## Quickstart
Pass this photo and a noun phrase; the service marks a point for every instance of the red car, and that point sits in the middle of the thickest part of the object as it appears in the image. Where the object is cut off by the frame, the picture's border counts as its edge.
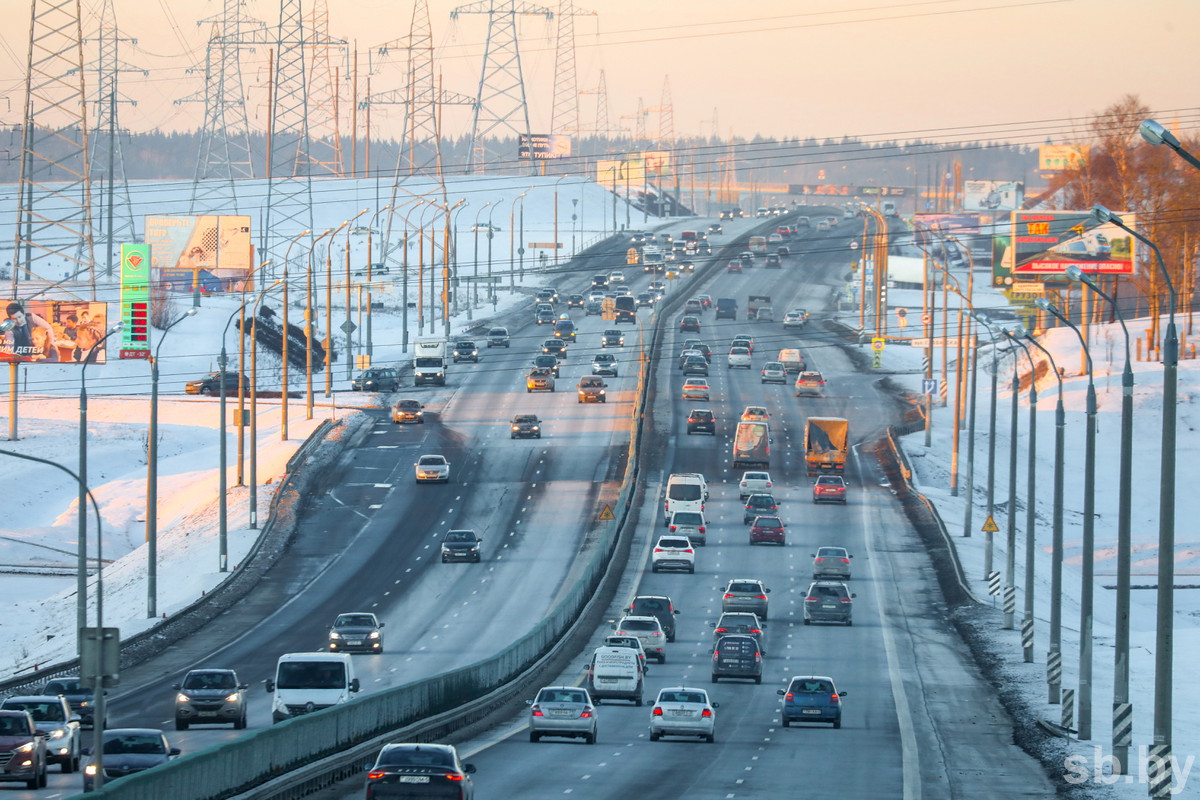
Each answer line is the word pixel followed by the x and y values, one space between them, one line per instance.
pixel 767 530
pixel 734 266
pixel 830 489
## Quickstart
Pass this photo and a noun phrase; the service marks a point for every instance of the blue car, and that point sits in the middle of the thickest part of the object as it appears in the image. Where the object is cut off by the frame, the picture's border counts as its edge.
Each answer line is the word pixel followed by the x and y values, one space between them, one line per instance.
pixel 812 698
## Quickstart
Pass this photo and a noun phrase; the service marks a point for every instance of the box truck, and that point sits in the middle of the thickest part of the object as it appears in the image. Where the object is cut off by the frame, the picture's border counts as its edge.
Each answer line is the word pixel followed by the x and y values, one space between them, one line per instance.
pixel 429 362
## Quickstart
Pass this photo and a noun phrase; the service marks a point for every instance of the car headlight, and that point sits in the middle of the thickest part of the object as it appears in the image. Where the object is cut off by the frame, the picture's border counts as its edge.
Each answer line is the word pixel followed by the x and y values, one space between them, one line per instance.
pixel 515 427
pixel 373 635
pixel 26 748
pixel 536 428
pixel 232 698
pixel 334 635
pixel 182 698
pixel 58 733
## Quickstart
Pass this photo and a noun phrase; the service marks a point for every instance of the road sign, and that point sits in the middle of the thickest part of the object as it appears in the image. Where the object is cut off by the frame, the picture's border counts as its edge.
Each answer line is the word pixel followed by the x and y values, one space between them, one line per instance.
pixel 990 526
pixel 926 319
pixel 606 513
pixel 878 343
pixel 853 244
pixel 877 360
pixel 348 327
pixel 930 386
pixel 993 580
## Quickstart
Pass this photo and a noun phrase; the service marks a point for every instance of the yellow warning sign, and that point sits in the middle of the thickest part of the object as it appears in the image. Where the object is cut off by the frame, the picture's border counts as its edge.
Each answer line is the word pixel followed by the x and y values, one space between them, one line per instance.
pixel 607 514
pixel 989 526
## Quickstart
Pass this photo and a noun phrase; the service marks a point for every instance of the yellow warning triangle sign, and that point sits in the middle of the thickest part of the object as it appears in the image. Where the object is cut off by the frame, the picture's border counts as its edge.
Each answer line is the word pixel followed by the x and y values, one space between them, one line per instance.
pixel 606 514
pixel 990 526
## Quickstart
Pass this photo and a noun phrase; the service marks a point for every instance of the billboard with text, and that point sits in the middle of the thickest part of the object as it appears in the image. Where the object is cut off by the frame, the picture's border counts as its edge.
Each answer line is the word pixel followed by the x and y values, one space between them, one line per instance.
pixel 54 331
pixel 542 146
pixel 184 246
pixel 993 195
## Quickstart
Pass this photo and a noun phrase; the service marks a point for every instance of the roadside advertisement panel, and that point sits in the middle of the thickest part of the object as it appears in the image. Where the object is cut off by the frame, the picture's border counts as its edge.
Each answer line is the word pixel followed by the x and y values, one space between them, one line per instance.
pixel 542 146
pixel 1057 157
pixel 54 331
pixel 993 195
pixel 209 252
pixel 135 301
pixel 614 175
pixel 1047 242
pixel 656 161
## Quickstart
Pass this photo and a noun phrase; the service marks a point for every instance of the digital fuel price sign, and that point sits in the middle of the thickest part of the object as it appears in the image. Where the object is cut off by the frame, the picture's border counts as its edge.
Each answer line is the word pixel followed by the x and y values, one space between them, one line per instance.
pixel 135 301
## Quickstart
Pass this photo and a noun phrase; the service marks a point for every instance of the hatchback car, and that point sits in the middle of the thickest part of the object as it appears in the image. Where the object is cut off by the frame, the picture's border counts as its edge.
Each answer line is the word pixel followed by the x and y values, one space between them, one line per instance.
pixel 743 340
pixel 688 353
pixel 740 622
pixel 498 337
pixel 462 545
pixel 754 482
pixel 649 632
pixel 406 411
pixel 683 711
pixel 356 631
pixel 739 357
pixel 773 261
pixel 693 306
pixel 591 389
pixel 794 319
pixel 829 489
pixel 812 698
pixel 828 601
pixel 546 295
pixel 539 379
pixel 767 530
pixel 544 316
pixel 525 426
pixel 737 657
pixel 210 696
pixel 593 307
pixel 673 552
pixel 466 350
pixel 604 364
pixel 432 468
pixel 695 389
pixel 810 383
pixel 690 323
pixel 701 420
pixel 733 266
pixel 127 751
pixel 420 770
pixel 612 337
pixel 755 414
pixel 746 594
pixel 831 562
pixel 546 362
pixel 695 365
pixel 689 524
pixel 774 372
pixel 759 505
pixel 562 711
pixel 657 606
pixel 555 347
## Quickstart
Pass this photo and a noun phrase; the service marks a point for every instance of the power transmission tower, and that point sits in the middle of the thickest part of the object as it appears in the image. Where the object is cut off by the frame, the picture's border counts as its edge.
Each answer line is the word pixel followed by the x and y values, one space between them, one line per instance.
pixel 564 117
pixel 602 126
pixel 116 207
pixel 289 181
pixel 666 117
pixel 502 104
pixel 224 156
pixel 323 90
pixel 715 137
pixel 54 200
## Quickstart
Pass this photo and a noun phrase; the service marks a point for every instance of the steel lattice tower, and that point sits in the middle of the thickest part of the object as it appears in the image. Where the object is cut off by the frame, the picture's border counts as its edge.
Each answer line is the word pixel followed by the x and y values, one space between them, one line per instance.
pixel 324 80
pixel 564 117
pixel 502 105
pixel 54 202
pixel 603 124
pixel 106 157
pixel 666 117
pixel 224 156
pixel 289 183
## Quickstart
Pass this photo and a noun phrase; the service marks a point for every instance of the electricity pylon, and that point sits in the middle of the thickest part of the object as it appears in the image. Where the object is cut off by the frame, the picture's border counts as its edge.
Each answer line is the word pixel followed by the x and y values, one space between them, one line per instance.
pixel 564 117
pixel 324 79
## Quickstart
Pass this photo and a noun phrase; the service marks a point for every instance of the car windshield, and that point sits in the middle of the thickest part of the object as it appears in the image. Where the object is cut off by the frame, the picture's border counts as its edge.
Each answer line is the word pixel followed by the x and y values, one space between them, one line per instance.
pixel 830 481
pixel 831 552
pixel 679 543
pixel 681 697
pixel 744 587
pixel 312 675
pixel 651 605
pixel 133 743
pixel 561 696
pixel 811 686
pixel 46 711
pixel 209 680
pixel 826 591
pixel 638 625
pixel 460 536
pixel 354 621
pixel 415 757
pixel 761 501
pixel 686 518
pixel 65 687
pixel 431 461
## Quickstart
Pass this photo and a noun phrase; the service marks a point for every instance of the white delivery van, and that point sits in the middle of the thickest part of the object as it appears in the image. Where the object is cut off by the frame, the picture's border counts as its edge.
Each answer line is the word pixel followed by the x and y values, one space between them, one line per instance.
pixel 307 682
pixel 686 491
pixel 616 673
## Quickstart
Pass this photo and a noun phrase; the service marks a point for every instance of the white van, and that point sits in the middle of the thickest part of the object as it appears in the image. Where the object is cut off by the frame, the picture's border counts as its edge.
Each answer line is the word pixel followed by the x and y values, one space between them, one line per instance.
pixel 307 682
pixel 616 673
pixel 686 491
pixel 792 361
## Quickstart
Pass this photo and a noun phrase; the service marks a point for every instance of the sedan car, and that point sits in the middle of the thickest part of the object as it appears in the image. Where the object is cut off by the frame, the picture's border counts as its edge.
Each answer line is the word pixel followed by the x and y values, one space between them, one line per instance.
pixel 812 698
pixel 690 323
pixel 210 384
pixel 210 696
pixel 739 357
pixel 419 770
pixel 774 372
pixel 829 489
pixel 733 266
pixel 406 411
pixel 754 482
pixel 828 601
pixel 649 632
pixel 612 337
pixel 525 426
pixel 831 562
pixel 616 276
pixel 693 306
pixel 695 365
pixel 644 299
pixel 576 301
pixel 555 347
pixel 593 307
pixel 701 420
pixel 683 711
pixel 759 505
pixel 129 750
pixel 767 530
pixel 498 337
pixel 716 227
pixel 673 552
pixel 604 364
pixel 461 545
pixel 544 317
pixel 432 468
pixel 746 594
pixel 695 389
pixel 562 711
pixel 701 347
pixel 357 631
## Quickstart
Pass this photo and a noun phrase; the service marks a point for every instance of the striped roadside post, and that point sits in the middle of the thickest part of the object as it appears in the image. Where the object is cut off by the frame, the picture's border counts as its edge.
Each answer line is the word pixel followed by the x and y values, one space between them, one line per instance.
pixel 1160 770
pixel 1068 708
pixel 1054 675
pixel 1122 736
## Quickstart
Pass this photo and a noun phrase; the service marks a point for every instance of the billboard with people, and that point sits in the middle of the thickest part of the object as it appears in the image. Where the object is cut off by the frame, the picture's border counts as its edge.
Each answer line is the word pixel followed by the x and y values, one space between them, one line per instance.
pixel 53 331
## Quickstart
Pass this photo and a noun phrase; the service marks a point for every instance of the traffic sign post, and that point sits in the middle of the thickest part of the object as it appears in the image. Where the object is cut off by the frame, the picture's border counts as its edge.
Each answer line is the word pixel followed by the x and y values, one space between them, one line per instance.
pixel 929 386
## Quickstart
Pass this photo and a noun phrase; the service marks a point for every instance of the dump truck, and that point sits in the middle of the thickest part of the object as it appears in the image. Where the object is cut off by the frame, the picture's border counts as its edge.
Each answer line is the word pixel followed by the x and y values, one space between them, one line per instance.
pixel 826 441
pixel 755 302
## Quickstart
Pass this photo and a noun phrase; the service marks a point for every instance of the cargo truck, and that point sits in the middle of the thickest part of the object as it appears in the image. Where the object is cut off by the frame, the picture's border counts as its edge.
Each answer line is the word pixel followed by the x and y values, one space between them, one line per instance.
pixel 826 440
pixel 752 445
pixel 652 259
pixel 754 303
pixel 429 362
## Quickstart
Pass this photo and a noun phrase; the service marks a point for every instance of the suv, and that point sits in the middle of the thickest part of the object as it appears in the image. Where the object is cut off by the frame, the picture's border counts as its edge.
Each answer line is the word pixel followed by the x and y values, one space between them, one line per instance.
pixel 810 383
pixel 828 601
pixel 498 337
pixel 736 656
pixel 612 338
pixel 591 389
pixel 701 420
pixel 739 622
pixel 22 749
pixel 358 630
pixel 649 632
pixel 53 715
pixel 565 329
pixel 689 524
pixel 812 698
pixel 207 696
pixel 658 606
pixel 82 699
pixel 465 350
pixel 694 364
pixel 746 594
pixel 690 323
pixel 526 426
pixel 758 505
pixel 673 552
pixel 210 384
pixel 739 357
pixel 831 562
pixel 376 380
pixel 767 530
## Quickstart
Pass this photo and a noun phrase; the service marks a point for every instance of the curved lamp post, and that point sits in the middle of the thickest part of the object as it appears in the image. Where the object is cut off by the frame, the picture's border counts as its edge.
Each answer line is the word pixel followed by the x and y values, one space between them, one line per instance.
pixel 1156 134
pixel 1017 336
pixel 152 476
pixel 370 276
pixel 1010 564
pixel 347 326
pixel 512 229
pixel 475 281
pixel 283 380
pixel 396 206
pixel 450 262
pixel 989 547
pixel 1087 582
pixel 254 404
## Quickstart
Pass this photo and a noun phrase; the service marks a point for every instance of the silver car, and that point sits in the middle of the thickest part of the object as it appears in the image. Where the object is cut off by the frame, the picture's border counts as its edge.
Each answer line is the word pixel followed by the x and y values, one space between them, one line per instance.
pixel 746 594
pixel 433 468
pixel 683 711
pixel 562 711
pixel 739 622
pixel 210 696
pixel 831 562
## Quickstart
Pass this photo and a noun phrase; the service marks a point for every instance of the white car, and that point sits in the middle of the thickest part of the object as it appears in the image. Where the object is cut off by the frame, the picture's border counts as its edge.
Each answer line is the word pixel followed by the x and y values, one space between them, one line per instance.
pixel 794 319
pixel 648 631
pixel 754 482
pixel 616 276
pixel 604 364
pixel 673 552
pixel 755 414
pixel 562 711
pixel 774 372
pixel 739 357
pixel 683 711
pixel 432 468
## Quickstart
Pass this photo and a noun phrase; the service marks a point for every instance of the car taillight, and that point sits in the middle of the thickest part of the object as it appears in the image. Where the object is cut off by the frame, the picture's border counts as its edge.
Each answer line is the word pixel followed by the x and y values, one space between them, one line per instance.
pixel 376 774
pixel 761 596
pixel 657 711
pixel 453 776
pixel 716 654
pixel 689 550
pixel 789 696
pixel 818 559
pixel 587 712
pixel 845 560
pixel 702 529
pixel 833 698
pixel 706 712
pixel 812 599
pixel 757 657
pixel 845 600
pixel 536 711
pixel 722 630
pixel 655 633
pixel 672 529
pixel 658 550
pixel 728 596
pixel 755 630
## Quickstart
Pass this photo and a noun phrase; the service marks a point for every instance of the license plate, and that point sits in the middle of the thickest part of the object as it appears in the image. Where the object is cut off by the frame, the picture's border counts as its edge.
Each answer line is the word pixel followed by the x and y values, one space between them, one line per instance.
pixel 206 713
pixel 729 661
pixel 606 680
pixel 559 713
pixel 812 711
pixel 354 642
pixel 414 779
pixel 680 713
pixel 828 607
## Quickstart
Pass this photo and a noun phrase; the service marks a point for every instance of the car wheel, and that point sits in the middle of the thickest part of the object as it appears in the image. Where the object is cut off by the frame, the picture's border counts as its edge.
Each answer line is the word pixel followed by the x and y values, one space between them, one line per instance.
pixel 715 679
pixel 477 559
pixel 206 391
pixel 849 622
pixel 691 570
pixel 837 723
pixel 181 725
pixel 240 725
pixel 70 765
pixel 807 621
pixel 785 722
pixel 654 568
pixel 36 782
pixel 533 737
pixel 538 436
pixel 638 701
pixel 758 679
pixel 528 390
pixel 512 436
pixel 710 738
pixel 590 738
pixel 671 638
pixel 654 737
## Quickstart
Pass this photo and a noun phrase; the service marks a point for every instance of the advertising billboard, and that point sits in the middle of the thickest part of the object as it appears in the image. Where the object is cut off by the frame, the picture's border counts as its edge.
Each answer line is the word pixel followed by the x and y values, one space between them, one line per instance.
pixel 54 331
pixel 656 161
pixel 541 146
pixel 993 195
pixel 1047 242
pixel 1057 157
pixel 613 175
pixel 208 252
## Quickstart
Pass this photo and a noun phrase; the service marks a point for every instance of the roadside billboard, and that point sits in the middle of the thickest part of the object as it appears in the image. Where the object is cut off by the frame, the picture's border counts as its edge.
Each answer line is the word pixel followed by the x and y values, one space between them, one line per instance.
pixel 656 161
pixel 993 195
pixel 613 175
pixel 542 146
pixel 209 252
pixel 54 331
pixel 1057 157
pixel 1047 242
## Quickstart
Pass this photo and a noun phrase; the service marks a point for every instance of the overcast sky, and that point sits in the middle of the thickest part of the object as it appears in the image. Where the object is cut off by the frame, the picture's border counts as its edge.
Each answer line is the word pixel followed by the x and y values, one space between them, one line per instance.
pixel 1019 70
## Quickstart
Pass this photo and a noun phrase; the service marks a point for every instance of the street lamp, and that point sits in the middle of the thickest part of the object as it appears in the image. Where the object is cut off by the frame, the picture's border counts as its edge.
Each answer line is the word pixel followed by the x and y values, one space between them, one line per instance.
pixel 512 227
pixel 491 233
pixel 475 281
pixel 283 433
pixel 347 326
pixel 254 404
pixel 1122 708
pixel 556 247
pixel 370 276
pixel 989 547
pixel 222 520
pixel 450 262
pixel 152 476
pixel 1164 649
pixel 1089 537
pixel 1156 134
pixel 1010 564
pixel 1016 336
pixel 81 587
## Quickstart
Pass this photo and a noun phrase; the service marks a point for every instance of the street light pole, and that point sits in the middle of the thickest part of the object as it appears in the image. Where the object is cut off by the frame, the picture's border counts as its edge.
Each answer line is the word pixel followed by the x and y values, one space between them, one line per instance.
pixel 1087 587
pixel 1010 564
pixel 283 379
pixel 254 405
pixel 475 281
pixel 989 547
pixel 152 476
pixel 1016 337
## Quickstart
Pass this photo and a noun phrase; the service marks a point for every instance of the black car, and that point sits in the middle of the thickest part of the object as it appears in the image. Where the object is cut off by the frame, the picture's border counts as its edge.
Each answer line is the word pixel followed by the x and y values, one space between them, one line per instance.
pixel 759 505
pixel 644 299
pixel 612 338
pixel 716 228
pixel 526 426
pixel 773 261
pixel 546 362
pixel 461 546
pixel 695 365
pixel 555 347
pixel 210 384
pixel 371 380
pixel 420 770
pixel 701 420
pixel 657 606
pixel 359 630
pixel 689 323
pixel 593 307
pixel 576 301
pixel 466 350
pixel 82 699
pixel 736 657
